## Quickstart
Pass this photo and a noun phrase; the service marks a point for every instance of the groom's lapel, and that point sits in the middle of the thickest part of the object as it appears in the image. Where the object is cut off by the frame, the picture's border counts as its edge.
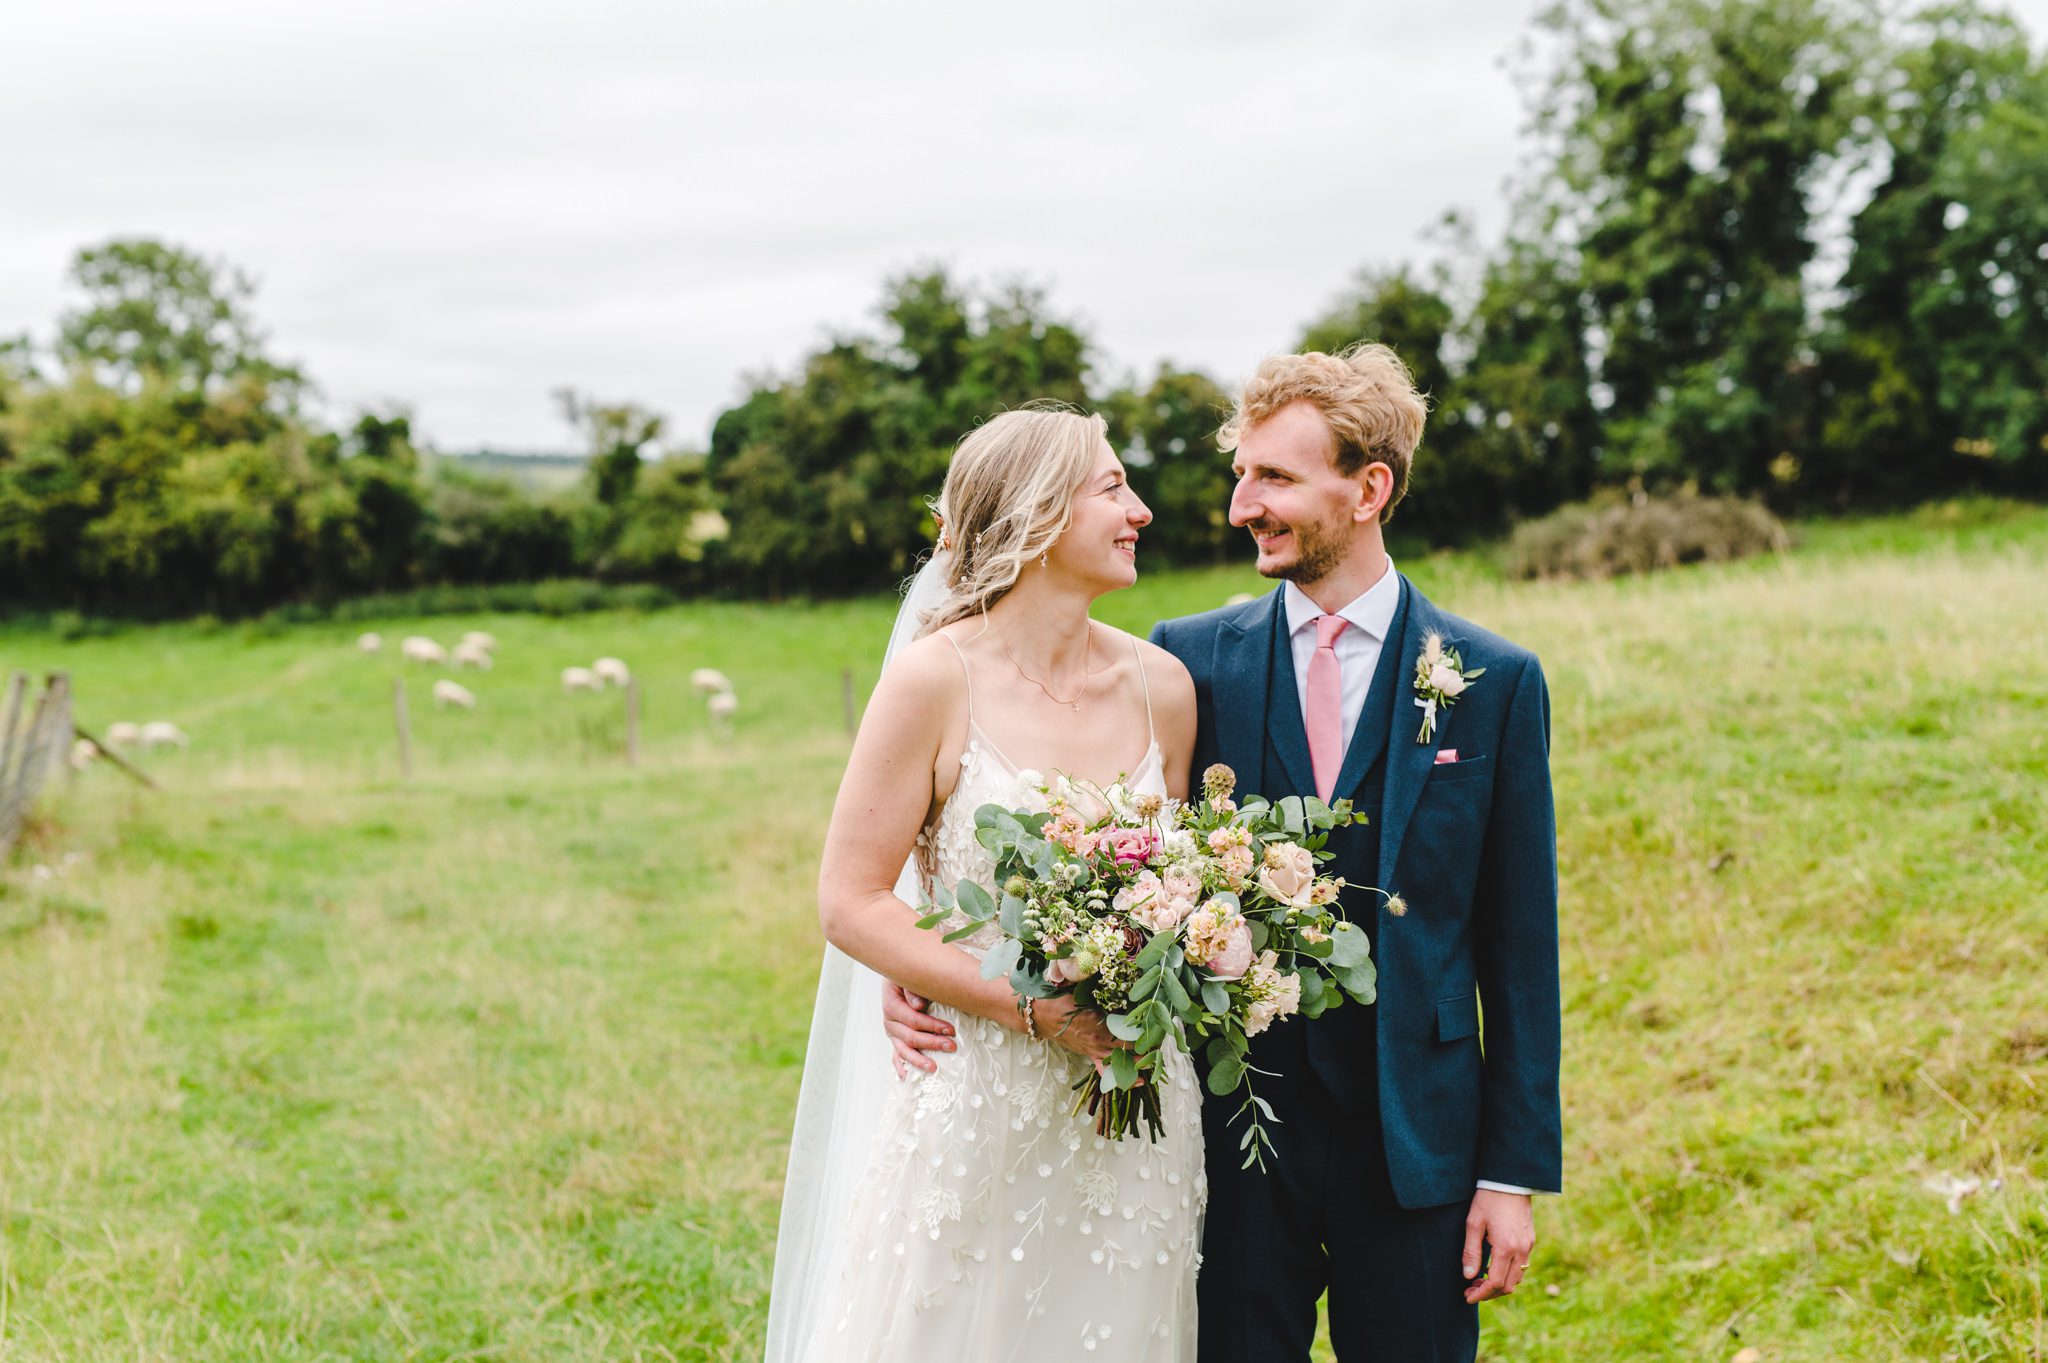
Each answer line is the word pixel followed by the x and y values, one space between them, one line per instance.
pixel 1285 730
pixel 1243 648
pixel 1408 762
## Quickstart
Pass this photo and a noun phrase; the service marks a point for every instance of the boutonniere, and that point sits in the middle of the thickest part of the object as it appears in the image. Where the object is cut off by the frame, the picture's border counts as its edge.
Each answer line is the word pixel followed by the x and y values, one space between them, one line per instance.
pixel 1440 678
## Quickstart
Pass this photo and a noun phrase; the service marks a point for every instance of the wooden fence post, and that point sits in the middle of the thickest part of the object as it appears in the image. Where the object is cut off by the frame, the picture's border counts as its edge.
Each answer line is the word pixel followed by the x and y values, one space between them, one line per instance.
pixel 846 698
pixel 404 728
pixel 633 721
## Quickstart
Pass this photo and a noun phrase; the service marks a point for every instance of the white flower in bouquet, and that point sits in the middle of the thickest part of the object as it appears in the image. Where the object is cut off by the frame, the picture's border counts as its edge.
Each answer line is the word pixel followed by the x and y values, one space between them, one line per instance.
pixel 1034 798
pixel 1289 874
pixel 1121 803
pixel 1274 994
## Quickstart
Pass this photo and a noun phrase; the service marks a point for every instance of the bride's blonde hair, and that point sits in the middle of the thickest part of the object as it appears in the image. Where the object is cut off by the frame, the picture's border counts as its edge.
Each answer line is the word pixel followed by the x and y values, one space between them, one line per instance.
pixel 1009 495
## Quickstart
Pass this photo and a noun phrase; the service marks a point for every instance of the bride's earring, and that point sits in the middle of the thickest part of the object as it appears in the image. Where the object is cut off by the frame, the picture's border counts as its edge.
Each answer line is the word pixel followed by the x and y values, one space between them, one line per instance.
pixel 1041 560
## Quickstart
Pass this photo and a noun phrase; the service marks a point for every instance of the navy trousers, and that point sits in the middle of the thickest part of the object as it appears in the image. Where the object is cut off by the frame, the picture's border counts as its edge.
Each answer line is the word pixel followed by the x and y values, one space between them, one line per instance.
pixel 1323 1215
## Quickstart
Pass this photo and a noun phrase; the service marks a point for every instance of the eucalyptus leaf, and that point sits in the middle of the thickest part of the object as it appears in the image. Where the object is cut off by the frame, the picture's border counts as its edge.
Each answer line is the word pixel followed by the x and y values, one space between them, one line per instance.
pixel 1025 979
pixel 1001 957
pixel 1361 981
pixel 1176 992
pixel 1123 1067
pixel 977 903
pixel 1225 1076
pixel 1125 1026
pixel 1348 945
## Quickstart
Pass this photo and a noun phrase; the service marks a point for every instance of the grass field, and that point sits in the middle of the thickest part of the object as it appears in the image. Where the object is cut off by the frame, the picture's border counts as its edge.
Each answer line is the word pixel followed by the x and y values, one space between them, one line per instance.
pixel 300 1061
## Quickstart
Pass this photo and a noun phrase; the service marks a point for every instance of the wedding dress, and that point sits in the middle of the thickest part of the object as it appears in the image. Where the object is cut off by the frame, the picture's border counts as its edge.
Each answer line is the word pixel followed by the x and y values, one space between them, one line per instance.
pixel 991 1224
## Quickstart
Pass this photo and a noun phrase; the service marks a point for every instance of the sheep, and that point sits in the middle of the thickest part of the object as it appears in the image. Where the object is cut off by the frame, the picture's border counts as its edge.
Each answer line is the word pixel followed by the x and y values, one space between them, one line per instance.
pixel 1239 598
pixel 161 733
pixel 580 679
pixel 372 642
pixel 481 640
pixel 611 672
pixel 453 693
pixel 467 654
pixel 710 681
pixel 83 751
pixel 123 734
pixel 420 649
pixel 723 706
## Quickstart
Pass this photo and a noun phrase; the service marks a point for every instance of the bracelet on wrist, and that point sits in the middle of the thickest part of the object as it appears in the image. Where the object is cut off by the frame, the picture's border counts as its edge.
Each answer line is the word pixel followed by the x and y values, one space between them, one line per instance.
pixel 1030 1019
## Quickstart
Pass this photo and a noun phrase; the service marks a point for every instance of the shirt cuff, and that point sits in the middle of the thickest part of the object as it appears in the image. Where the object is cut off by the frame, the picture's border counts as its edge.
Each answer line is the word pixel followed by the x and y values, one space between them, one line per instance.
pixel 1511 1188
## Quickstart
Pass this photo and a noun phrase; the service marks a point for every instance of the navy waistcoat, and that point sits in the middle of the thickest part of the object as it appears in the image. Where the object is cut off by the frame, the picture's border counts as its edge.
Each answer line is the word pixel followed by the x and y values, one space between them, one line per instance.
pixel 1339 1049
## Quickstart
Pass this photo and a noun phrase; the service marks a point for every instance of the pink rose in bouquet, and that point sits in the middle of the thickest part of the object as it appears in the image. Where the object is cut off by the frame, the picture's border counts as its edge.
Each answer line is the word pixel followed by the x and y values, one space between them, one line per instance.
pixel 1145 901
pixel 1220 940
pixel 1131 846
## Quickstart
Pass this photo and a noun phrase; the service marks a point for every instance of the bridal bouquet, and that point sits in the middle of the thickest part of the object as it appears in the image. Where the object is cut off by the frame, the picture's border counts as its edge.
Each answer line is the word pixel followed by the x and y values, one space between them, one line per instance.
pixel 1205 922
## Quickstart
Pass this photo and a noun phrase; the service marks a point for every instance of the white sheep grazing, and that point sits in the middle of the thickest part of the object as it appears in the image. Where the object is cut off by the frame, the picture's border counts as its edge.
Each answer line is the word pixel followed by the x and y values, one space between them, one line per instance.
pixel 472 655
pixel 481 640
pixel 453 693
pixel 611 671
pixel 122 734
pixel 83 751
pixel 1239 598
pixel 580 679
pixel 710 681
pixel 723 706
pixel 161 733
pixel 418 648
pixel 372 642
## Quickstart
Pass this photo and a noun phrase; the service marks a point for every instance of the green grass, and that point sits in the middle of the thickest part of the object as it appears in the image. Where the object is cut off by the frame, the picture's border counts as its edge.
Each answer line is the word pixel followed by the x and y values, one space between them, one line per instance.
pixel 300 1061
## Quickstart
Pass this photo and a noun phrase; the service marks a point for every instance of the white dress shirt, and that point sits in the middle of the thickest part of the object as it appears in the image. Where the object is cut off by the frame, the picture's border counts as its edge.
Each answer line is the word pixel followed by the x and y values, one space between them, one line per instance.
pixel 1358 657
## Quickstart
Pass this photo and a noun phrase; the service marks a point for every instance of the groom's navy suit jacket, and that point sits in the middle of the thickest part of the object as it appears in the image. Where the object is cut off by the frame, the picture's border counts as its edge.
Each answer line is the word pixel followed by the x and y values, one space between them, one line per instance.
pixel 1471 848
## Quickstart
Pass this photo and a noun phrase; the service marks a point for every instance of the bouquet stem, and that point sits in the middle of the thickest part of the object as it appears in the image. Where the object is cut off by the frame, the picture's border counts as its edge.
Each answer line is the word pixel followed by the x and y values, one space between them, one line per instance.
pixel 1118 1112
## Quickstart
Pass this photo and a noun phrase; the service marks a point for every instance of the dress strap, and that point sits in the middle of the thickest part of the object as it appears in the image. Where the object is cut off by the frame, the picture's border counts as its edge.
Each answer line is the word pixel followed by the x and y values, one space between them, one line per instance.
pixel 967 673
pixel 1150 732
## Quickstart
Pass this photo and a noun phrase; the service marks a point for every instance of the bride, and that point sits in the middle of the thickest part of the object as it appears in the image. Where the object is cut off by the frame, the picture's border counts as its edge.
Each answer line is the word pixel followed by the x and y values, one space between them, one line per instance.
pixel 964 1213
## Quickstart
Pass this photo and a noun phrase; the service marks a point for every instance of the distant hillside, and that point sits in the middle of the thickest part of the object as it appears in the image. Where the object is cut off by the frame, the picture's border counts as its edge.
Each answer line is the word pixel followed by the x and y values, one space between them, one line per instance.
pixel 537 471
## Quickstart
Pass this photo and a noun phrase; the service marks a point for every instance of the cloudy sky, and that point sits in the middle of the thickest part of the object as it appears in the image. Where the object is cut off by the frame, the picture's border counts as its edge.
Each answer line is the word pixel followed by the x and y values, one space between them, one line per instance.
pixel 459 207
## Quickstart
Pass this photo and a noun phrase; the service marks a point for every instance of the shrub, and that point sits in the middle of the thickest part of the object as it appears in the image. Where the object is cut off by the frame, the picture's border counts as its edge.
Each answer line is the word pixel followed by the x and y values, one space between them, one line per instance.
pixel 1641 534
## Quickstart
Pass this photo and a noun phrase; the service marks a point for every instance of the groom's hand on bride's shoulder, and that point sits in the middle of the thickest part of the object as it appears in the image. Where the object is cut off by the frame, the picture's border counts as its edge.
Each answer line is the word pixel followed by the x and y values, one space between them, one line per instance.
pixel 912 1029
pixel 1500 1230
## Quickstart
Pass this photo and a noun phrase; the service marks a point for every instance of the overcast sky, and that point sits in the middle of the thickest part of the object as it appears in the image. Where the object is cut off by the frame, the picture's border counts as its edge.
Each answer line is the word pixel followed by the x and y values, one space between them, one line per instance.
pixel 459 207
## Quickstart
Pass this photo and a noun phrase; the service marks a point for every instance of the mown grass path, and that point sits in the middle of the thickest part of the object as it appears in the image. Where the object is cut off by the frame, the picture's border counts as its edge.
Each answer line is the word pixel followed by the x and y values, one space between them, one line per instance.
pixel 298 1061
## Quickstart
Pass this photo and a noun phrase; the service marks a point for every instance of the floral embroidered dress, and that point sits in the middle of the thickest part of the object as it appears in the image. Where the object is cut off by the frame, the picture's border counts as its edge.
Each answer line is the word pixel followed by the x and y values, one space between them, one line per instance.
pixel 992 1225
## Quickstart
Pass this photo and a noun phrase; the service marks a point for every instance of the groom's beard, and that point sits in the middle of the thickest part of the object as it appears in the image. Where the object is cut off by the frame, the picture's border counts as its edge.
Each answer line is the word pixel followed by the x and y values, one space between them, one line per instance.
pixel 1317 551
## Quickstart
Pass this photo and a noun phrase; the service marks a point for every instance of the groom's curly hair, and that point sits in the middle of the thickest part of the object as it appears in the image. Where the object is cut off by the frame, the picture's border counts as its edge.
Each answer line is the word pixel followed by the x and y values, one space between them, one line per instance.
pixel 1367 397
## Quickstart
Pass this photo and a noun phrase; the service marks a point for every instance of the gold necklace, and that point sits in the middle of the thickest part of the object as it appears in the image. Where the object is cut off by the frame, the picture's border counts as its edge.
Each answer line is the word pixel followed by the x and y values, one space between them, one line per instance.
pixel 1087 654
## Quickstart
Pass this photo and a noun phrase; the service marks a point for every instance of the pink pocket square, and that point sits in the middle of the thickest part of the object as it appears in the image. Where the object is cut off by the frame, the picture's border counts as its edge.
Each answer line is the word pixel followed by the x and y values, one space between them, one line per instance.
pixel 1446 756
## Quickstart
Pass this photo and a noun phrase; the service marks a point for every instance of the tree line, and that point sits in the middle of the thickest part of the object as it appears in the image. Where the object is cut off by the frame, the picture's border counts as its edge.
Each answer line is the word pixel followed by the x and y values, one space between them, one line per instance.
pixel 1793 249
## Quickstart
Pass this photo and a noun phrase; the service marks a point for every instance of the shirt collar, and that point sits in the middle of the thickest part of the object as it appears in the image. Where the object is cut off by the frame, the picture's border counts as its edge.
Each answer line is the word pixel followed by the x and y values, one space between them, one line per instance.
pixel 1373 611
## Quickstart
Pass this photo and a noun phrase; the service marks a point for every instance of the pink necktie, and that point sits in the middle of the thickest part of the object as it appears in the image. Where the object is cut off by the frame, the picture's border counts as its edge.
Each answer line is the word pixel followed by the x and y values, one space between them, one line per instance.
pixel 1325 718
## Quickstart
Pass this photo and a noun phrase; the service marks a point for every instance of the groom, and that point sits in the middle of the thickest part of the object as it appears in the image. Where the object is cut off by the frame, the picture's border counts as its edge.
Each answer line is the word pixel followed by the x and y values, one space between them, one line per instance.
pixel 1406 1151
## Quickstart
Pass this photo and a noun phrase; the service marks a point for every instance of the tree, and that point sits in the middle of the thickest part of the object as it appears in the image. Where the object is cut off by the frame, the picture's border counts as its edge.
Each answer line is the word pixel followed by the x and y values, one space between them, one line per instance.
pixel 159 313
pixel 1167 435
pixel 1933 369
pixel 1695 139
pixel 825 476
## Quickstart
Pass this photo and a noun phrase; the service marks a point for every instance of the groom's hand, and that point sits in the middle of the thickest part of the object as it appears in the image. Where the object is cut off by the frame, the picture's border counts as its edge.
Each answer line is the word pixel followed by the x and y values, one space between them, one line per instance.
pixel 1504 1225
pixel 912 1031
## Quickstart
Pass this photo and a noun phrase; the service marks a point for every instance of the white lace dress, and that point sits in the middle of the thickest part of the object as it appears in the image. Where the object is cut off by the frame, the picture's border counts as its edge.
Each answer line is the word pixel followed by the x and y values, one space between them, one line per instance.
pixel 992 1225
